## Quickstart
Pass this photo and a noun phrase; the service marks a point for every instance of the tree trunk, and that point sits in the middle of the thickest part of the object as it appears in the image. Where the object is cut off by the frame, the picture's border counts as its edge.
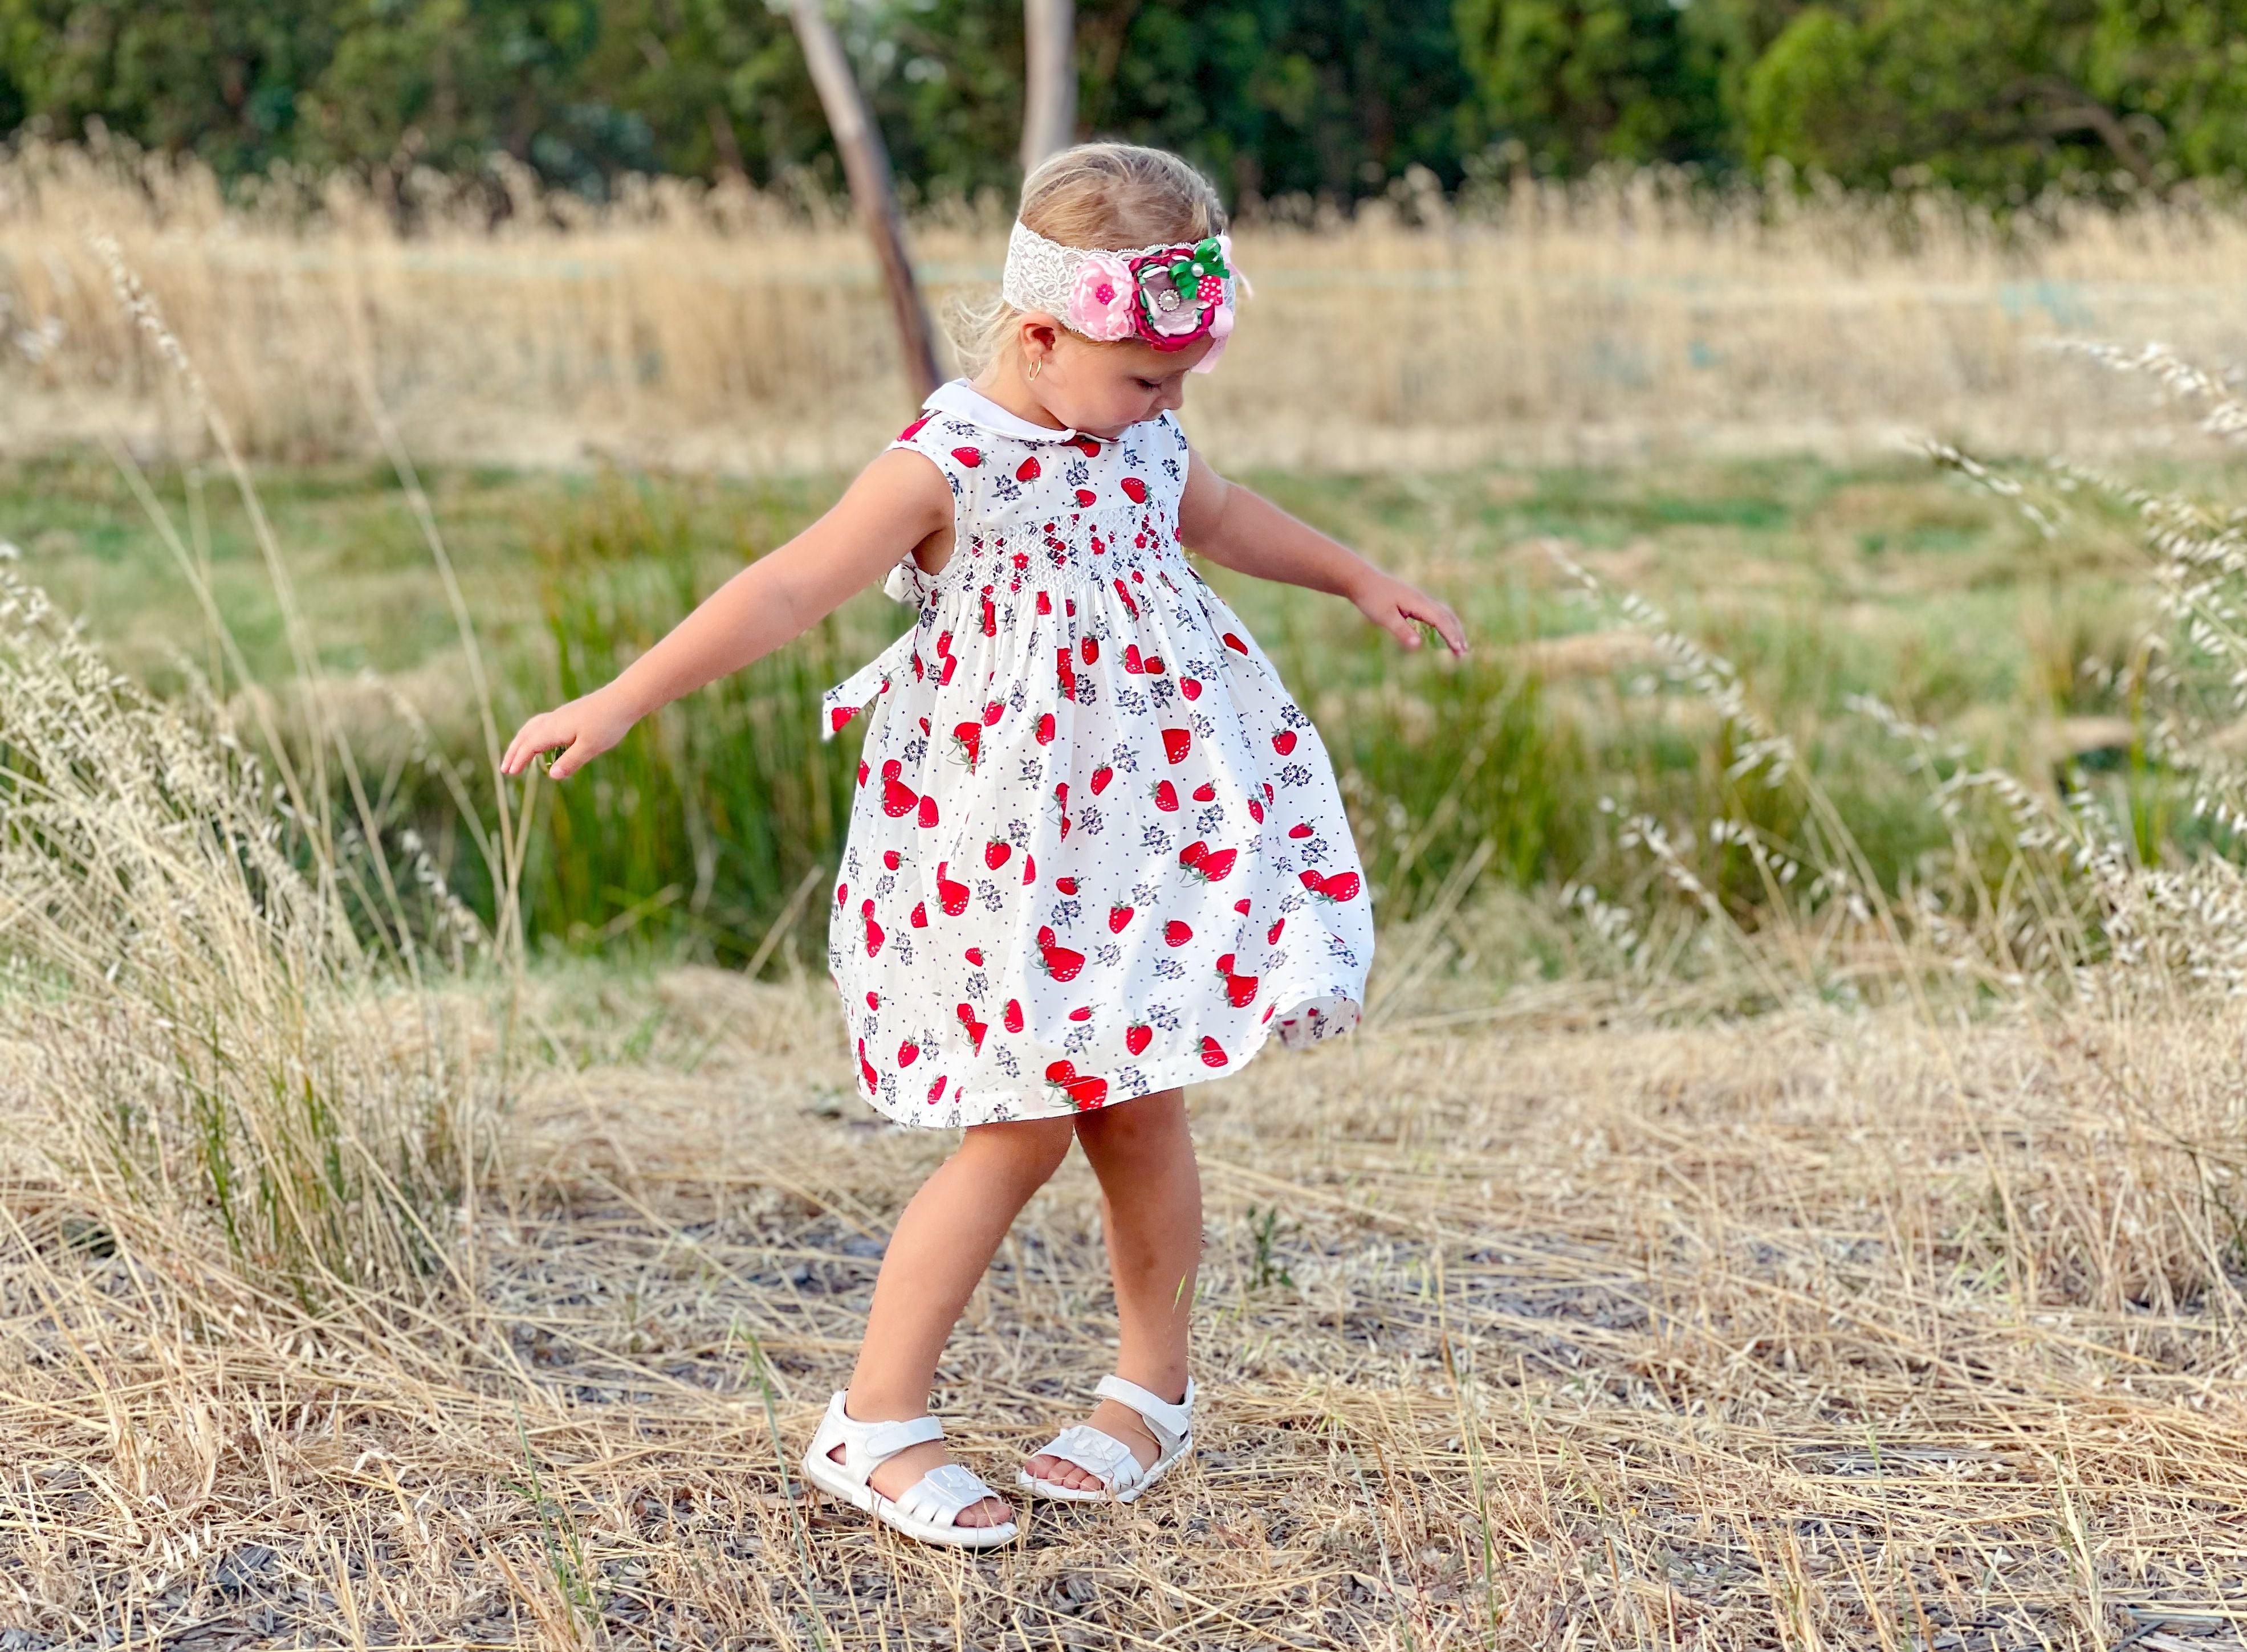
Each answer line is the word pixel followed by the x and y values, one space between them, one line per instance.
pixel 866 164
pixel 1049 56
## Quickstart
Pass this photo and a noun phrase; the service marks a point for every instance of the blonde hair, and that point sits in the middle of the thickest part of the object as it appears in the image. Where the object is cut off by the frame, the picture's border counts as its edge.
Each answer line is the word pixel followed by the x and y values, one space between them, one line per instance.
pixel 1111 196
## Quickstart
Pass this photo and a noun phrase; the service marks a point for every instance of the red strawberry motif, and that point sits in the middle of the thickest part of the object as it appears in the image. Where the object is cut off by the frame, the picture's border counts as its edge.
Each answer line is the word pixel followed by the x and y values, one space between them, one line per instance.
pixel 1101 776
pixel 951 893
pixel 1301 829
pixel 841 895
pixel 1065 672
pixel 967 741
pixel 1084 498
pixel 1045 602
pixel 1081 1013
pixel 914 428
pixel 1175 933
pixel 1193 853
pixel 863 771
pixel 866 1069
pixel 944 644
pixel 1206 793
pixel 993 712
pixel 1084 1091
pixel 1135 490
pixel 973 954
pixel 873 932
pixel 1131 658
pixel 1239 990
pixel 1167 797
pixel 1225 964
pixel 1091 649
pixel 950 665
pixel 1117 916
pixel 996 853
pixel 920 914
pixel 908 1053
pixel 1013 1016
pixel 936 1090
pixel 1046 730
pixel 1089 446
pixel 1177 742
pixel 873 1001
pixel 1066 885
pixel 1190 687
pixel 975 1028
pixel 1272 935
pixel 968 456
pixel 839 716
pixel 1027 470
pixel 1154 664
pixel 1058 961
pixel 1284 741
pixel 927 817
pixel 1341 887
pixel 1125 592
pixel 1137 1036
pixel 891 859
pixel 1234 644
pixel 1314 880
pixel 1030 869
pixel 1212 1053
pixel 898 798
pixel 1256 811
pixel 1211 864
pixel 1241 906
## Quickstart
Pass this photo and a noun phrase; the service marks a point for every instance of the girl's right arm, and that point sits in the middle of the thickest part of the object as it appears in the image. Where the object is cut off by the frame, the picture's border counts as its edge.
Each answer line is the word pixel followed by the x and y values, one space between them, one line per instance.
pixel 898 503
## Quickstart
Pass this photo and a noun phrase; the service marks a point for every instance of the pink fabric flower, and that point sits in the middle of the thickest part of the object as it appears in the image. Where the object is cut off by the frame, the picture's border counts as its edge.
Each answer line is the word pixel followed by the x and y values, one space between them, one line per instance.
pixel 1102 301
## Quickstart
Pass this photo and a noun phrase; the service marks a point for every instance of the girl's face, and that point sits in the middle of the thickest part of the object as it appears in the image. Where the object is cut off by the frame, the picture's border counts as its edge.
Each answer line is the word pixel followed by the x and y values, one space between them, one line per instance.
pixel 1102 388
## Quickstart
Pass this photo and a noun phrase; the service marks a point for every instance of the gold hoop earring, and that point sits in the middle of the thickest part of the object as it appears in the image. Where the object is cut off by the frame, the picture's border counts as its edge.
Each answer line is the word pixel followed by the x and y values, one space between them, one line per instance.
pixel 1037 366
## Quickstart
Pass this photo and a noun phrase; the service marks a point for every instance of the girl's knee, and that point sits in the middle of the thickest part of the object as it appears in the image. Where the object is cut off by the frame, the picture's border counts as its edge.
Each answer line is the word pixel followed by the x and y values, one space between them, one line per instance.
pixel 1026 1151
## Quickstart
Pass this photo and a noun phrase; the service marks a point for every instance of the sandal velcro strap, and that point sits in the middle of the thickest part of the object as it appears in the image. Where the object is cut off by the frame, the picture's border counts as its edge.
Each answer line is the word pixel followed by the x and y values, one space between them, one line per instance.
pixel 882 1440
pixel 1169 1423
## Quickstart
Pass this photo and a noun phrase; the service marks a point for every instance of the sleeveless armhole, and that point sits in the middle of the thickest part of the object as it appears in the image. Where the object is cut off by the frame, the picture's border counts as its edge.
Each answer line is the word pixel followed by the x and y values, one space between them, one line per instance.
pixel 908 582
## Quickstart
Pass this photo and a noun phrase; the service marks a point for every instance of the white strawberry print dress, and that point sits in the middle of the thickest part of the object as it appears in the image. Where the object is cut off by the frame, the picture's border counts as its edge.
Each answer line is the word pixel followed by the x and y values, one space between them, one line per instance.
pixel 1095 850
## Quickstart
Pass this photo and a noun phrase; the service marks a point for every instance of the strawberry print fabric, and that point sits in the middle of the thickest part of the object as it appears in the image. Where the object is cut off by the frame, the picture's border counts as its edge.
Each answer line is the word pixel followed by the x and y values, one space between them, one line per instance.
pixel 1095 850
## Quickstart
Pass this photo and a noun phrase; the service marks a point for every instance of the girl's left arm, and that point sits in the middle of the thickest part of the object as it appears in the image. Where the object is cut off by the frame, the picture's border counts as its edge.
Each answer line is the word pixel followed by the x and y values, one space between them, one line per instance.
pixel 1239 529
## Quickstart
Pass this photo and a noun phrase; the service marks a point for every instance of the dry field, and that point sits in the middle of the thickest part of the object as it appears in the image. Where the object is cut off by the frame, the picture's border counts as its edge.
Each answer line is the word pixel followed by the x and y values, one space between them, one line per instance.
pixel 1545 1334
pixel 362 1284
pixel 722 330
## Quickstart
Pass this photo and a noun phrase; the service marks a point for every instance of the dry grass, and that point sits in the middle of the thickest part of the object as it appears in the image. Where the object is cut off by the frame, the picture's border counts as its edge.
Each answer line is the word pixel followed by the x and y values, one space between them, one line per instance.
pixel 1796 1335
pixel 725 330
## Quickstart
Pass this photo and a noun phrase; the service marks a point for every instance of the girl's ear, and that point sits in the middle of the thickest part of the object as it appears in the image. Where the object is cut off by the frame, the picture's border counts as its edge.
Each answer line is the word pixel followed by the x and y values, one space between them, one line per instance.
pixel 1039 335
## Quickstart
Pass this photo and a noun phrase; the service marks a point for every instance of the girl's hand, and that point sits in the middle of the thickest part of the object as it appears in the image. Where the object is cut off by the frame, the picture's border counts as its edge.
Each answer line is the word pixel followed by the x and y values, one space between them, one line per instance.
pixel 1400 609
pixel 586 727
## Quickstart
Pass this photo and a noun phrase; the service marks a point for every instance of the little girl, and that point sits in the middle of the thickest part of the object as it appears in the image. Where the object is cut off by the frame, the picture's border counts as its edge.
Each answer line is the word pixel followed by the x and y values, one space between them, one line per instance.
pixel 1096 852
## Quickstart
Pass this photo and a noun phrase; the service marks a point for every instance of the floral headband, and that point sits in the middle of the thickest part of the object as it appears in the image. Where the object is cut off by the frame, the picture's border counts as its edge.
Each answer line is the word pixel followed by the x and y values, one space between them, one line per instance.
pixel 1167 296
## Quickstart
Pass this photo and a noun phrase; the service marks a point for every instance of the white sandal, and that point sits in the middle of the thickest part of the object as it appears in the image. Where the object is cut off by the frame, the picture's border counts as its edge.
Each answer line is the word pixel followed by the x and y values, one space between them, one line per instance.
pixel 1122 1474
pixel 929 1509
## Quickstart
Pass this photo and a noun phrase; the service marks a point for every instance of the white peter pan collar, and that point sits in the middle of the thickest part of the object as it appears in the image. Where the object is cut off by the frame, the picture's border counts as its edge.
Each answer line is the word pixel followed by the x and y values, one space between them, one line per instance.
pixel 961 400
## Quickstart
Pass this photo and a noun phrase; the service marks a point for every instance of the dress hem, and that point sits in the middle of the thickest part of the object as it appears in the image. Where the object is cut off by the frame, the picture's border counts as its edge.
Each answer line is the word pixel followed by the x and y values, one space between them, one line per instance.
pixel 1347 1011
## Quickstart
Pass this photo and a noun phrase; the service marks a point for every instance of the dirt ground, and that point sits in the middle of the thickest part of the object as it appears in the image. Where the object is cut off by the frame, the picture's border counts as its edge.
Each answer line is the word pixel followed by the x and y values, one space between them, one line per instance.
pixel 1526 1333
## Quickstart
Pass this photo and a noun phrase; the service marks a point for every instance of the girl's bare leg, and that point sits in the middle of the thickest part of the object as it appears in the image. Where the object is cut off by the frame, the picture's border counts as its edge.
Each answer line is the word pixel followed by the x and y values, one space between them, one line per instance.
pixel 1151 1212
pixel 939 1249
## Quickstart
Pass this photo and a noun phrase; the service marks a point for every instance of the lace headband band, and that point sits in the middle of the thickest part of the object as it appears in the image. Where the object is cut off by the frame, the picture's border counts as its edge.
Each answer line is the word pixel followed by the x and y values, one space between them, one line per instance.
pixel 1168 296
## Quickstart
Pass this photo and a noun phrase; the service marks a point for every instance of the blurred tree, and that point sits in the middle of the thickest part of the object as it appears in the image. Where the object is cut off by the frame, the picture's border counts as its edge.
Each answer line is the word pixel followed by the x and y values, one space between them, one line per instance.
pixel 221 78
pixel 1332 97
pixel 2002 99
pixel 1576 82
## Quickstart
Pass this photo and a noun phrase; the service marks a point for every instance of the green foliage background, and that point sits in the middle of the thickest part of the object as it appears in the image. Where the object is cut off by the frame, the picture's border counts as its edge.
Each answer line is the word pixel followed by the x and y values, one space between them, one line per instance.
pixel 1277 98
